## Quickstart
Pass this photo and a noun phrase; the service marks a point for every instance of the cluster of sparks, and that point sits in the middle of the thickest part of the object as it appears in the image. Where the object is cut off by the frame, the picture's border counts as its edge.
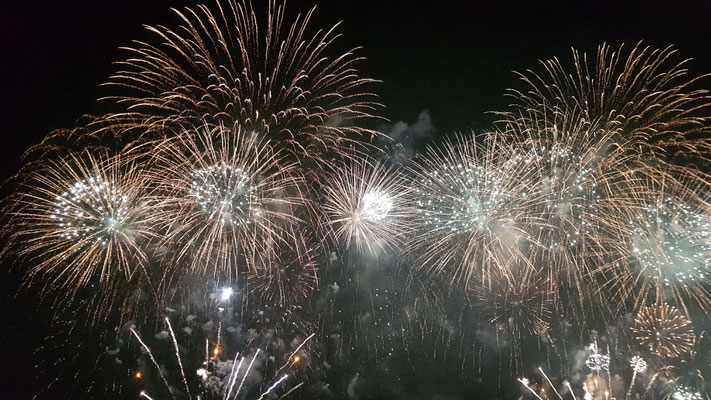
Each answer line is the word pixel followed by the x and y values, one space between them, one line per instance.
pixel 225 192
pixel 88 207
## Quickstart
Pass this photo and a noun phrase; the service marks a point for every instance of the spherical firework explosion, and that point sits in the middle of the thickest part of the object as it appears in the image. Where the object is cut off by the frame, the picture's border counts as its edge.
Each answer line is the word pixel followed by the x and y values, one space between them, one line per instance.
pixel 367 204
pixel 224 67
pixel 223 197
pixel 576 172
pixel 81 222
pixel 664 330
pixel 472 210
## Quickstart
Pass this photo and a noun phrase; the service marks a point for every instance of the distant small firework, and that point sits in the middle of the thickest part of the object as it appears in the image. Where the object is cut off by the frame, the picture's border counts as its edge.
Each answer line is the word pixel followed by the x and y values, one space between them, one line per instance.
pixel 223 197
pixel 367 205
pixel 646 92
pixel 287 273
pixel 664 330
pixel 222 66
pixel 541 328
pixel 518 303
pixel 82 221
pixel 598 362
pixel 638 364
pixel 473 210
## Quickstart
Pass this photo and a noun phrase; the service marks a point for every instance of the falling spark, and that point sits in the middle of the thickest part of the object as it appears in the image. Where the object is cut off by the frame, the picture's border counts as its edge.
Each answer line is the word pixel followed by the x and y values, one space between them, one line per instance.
pixel 150 354
pixel 525 383
pixel 177 356
pixel 282 379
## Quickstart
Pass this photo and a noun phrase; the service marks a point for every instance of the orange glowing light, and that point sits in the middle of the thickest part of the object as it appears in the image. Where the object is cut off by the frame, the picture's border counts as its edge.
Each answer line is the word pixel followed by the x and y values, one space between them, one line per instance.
pixel 139 375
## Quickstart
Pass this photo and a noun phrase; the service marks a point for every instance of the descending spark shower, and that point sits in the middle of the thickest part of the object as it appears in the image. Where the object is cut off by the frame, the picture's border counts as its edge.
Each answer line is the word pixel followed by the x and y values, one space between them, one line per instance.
pixel 240 162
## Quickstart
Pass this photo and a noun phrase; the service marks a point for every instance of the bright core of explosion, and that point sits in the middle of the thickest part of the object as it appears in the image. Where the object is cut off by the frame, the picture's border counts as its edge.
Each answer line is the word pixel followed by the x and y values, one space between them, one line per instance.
pixel 375 206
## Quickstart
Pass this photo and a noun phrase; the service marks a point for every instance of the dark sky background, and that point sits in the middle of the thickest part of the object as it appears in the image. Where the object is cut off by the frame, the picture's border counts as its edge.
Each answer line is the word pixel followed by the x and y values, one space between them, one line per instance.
pixel 452 58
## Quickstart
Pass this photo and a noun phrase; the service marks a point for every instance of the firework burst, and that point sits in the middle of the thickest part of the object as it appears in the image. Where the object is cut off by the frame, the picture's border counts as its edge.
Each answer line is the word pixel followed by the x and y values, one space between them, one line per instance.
pixel 82 222
pixel 367 205
pixel 663 249
pixel 575 180
pixel 224 67
pixel 664 330
pixel 645 92
pixel 224 198
pixel 473 210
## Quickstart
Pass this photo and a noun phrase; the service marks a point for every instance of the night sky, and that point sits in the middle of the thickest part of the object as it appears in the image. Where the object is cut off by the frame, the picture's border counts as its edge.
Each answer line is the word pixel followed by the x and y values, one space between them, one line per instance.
pixel 452 58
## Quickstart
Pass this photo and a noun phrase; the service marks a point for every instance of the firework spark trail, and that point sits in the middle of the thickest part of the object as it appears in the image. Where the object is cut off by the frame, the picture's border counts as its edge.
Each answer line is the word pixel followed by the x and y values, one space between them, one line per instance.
pixel 288 273
pixel 291 356
pixel 233 375
pixel 282 379
pixel 516 301
pixel 150 354
pixel 207 351
pixel 291 390
pixel 570 389
pixel 145 395
pixel 524 382
pixel 177 356
pixel 246 372
pixel 550 383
